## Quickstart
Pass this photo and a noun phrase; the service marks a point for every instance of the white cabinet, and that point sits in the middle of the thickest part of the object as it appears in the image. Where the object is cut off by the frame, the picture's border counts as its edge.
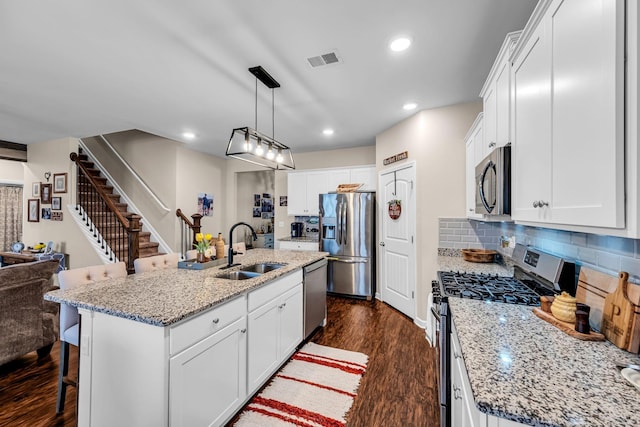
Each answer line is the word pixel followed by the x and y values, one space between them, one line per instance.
pixel 464 412
pixel 208 380
pixel 496 97
pixel 568 147
pixel 275 327
pixel 303 187
pixel 287 245
pixel 473 139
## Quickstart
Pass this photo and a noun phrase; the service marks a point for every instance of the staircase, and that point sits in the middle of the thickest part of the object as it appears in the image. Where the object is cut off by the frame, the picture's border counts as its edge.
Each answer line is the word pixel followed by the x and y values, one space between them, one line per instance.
pixel 113 226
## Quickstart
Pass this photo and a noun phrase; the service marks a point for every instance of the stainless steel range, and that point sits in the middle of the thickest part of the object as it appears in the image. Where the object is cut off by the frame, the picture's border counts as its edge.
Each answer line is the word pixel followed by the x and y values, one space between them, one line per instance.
pixel 536 273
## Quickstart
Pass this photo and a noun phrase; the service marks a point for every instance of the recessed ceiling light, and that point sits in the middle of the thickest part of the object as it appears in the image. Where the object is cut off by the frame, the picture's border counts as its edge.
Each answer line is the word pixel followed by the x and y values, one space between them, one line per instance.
pixel 410 106
pixel 399 44
pixel 328 132
pixel 188 135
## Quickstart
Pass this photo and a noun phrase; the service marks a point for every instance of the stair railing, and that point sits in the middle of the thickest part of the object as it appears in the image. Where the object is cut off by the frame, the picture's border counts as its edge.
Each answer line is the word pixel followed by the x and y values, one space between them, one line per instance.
pixel 188 231
pixel 119 236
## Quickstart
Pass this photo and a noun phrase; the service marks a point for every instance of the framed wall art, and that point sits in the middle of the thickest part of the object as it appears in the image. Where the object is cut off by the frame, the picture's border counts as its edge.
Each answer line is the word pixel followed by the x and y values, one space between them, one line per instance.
pixel 33 210
pixel 35 189
pixel 45 193
pixel 56 203
pixel 59 182
pixel 56 216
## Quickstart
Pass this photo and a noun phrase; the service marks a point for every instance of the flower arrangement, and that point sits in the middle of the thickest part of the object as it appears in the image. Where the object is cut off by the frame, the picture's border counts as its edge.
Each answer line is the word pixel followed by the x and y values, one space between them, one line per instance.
pixel 203 242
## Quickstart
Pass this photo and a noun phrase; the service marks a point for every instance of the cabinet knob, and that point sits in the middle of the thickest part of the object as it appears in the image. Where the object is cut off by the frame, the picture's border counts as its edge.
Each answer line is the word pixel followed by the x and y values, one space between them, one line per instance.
pixel 540 203
pixel 243 331
pixel 491 145
pixel 456 392
pixel 382 244
pixel 215 321
pixel 456 355
pixel 535 203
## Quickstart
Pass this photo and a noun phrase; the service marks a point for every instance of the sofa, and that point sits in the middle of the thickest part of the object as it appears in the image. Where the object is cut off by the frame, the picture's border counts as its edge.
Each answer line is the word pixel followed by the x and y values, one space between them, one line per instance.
pixel 27 321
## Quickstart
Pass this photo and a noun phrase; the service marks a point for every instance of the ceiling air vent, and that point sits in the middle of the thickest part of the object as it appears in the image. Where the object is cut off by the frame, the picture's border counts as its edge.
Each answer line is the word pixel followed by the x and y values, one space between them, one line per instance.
pixel 324 59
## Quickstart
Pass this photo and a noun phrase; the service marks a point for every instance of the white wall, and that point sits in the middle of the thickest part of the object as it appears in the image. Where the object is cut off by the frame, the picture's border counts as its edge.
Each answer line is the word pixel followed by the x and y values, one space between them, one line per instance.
pixel 12 172
pixel 435 141
pixel 53 156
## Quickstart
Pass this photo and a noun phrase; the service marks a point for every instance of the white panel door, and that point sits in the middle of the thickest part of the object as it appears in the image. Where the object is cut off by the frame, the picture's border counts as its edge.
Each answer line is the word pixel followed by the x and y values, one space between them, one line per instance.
pixel 588 142
pixel 296 193
pixel 503 106
pixel 489 122
pixel 397 246
pixel 263 357
pixel 366 177
pixel 291 321
pixel 531 170
pixel 208 380
pixel 337 177
pixel 317 184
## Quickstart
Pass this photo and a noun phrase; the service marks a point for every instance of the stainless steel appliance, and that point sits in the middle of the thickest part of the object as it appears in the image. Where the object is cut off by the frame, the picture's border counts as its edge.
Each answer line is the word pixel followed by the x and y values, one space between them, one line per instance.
pixel 535 273
pixel 315 296
pixel 297 229
pixel 493 183
pixel 347 232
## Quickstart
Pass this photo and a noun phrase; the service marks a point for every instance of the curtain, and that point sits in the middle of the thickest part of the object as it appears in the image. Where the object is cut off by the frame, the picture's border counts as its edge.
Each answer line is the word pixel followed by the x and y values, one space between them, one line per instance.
pixel 10 215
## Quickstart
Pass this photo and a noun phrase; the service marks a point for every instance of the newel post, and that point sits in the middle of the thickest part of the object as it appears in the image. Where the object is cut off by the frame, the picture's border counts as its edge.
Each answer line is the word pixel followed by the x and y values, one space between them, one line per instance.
pixel 134 240
pixel 196 225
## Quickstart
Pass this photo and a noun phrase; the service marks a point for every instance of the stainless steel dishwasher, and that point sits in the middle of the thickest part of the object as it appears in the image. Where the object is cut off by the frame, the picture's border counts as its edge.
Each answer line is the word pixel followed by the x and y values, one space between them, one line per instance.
pixel 315 295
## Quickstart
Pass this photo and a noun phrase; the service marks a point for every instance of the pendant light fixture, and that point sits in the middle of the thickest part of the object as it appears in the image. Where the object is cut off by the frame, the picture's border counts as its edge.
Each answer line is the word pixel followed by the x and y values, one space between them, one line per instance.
pixel 252 146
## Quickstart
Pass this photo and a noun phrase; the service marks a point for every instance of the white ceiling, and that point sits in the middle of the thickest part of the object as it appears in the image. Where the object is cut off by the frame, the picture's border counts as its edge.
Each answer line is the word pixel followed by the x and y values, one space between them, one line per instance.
pixel 84 67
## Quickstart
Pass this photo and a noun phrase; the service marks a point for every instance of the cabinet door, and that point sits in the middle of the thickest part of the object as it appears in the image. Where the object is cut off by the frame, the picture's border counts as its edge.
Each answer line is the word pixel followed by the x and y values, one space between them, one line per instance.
pixel 503 105
pixel 296 193
pixel 208 380
pixel 531 152
pixel 489 121
pixel 337 177
pixel 291 321
pixel 367 176
pixel 316 184
pixel 263 348
pixel 587 153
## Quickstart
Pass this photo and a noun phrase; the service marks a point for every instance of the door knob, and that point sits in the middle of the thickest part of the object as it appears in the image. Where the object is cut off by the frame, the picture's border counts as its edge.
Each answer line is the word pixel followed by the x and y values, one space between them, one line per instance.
pixel 381 243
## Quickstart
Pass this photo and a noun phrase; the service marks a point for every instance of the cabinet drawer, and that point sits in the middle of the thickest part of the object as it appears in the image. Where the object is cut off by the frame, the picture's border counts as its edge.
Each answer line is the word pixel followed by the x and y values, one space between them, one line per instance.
pixel 188 333
pixel 270 291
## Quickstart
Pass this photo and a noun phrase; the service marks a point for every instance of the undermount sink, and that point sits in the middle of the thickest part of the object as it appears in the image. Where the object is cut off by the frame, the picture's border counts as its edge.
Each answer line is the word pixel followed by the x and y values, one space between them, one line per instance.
pixel 238 275
pixel 261 268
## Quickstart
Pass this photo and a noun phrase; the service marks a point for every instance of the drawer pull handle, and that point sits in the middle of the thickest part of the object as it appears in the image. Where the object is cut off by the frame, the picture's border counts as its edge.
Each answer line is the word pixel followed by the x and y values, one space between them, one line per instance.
pixel 216 321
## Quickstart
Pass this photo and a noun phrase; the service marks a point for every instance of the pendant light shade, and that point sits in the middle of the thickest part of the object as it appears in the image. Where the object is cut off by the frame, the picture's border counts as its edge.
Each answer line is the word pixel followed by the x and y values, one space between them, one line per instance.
pixel 254 147
pixel 257 150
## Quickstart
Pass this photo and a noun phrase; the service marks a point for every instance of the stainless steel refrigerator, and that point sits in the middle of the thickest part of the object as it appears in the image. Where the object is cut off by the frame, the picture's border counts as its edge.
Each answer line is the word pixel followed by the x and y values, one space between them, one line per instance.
pixel 347 232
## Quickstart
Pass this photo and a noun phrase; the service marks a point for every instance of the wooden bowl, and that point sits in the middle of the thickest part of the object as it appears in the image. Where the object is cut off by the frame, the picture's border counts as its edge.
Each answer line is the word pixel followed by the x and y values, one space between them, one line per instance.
pixel 478 255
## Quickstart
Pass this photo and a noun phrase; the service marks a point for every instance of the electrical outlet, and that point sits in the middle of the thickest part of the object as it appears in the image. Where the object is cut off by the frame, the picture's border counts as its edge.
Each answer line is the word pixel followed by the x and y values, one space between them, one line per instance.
pixel 280 224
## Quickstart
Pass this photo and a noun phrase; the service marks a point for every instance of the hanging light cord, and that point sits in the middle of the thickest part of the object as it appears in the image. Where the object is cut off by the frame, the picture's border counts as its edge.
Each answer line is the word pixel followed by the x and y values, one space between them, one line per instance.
pixel 256 105
pixel 273 120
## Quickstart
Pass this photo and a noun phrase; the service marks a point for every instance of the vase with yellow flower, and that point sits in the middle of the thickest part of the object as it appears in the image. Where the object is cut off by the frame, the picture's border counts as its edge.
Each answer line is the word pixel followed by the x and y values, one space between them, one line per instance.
pixel 203 242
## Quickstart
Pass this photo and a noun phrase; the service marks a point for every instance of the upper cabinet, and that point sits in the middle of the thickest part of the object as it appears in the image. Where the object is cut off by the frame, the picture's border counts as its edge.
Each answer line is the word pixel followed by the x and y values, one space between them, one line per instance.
pixel 474 139
pixel 568 130
pixel 496 98
pixel 304 187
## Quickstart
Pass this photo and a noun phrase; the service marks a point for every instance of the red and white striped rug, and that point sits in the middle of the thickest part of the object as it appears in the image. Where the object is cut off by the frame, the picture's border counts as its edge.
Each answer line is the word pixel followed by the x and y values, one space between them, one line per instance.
pixel 315 388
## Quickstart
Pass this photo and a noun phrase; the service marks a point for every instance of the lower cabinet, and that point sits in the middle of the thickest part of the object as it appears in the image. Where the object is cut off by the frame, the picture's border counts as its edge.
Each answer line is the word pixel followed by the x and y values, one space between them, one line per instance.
pixel 275 328
pixel 464 412
pixel 207 382
pixel 287 245
pixel 198 372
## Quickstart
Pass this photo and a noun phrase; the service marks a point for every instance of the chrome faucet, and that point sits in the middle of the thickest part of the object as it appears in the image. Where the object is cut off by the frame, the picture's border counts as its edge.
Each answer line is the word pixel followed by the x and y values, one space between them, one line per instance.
pixel 231 251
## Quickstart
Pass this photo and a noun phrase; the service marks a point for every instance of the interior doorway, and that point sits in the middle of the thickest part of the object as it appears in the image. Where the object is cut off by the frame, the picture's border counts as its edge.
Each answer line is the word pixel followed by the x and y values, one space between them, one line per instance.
pixel 397 250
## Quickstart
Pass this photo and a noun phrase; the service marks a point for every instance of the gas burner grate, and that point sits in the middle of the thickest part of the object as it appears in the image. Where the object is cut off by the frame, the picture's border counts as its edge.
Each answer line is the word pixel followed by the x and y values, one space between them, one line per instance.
pixel 488 288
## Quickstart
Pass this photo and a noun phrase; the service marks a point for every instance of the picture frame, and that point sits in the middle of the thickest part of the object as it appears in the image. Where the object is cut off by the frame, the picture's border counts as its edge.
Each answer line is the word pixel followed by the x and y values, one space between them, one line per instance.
pixel 33 210
pixel 59 183
pixel 56 203
pixel 46 213
pixel 45 193
pixel 56 216
pixel 35 189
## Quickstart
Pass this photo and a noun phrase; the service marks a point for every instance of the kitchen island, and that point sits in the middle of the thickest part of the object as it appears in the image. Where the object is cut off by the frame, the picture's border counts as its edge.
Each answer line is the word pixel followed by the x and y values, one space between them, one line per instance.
pixel 523 370
pixel 185 347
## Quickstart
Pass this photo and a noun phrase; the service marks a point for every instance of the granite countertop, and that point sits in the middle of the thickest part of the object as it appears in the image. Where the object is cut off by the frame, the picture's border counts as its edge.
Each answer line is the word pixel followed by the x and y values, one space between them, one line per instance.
pixel 457 263
pixel 164 297
pixel 313 239
pixel 524 369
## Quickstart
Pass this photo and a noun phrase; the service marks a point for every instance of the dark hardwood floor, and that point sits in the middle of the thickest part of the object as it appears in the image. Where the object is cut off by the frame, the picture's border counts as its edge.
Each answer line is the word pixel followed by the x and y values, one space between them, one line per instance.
pixel 398 389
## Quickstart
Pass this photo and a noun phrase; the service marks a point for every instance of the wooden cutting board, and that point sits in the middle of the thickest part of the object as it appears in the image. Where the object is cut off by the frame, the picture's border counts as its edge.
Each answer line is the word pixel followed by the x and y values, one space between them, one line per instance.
pixel 603 293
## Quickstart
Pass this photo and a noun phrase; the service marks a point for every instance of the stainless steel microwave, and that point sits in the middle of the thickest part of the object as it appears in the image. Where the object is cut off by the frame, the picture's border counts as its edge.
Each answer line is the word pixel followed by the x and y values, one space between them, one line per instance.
pixel 493 183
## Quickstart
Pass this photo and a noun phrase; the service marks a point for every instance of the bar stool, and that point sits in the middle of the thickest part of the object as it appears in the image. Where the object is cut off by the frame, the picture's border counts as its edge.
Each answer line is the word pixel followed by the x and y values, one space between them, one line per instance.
pixel 69 317
pixel 157 262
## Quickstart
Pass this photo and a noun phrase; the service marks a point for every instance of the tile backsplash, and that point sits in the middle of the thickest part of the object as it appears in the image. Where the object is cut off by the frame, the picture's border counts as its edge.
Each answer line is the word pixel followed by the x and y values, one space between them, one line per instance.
pixel 605 253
